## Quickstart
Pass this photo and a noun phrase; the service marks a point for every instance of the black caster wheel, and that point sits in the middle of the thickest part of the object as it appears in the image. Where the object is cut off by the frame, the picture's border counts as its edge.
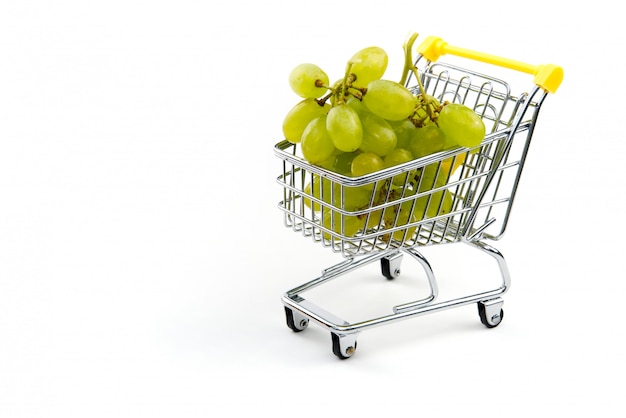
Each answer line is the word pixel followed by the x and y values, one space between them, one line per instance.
pixel 489 319
pixel 390 266
pixel 343 346
pixel 295 321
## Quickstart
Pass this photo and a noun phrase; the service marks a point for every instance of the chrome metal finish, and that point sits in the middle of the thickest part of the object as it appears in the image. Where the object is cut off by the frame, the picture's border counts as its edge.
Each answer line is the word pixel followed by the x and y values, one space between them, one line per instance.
pixel 432 282
pixel 294 299
pixel 493 308
pixel 345 344
pixel 481 186
pixel 395 260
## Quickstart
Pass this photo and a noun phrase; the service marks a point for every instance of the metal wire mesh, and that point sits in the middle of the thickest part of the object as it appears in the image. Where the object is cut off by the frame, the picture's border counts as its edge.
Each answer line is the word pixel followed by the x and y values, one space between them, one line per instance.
pixel 441 198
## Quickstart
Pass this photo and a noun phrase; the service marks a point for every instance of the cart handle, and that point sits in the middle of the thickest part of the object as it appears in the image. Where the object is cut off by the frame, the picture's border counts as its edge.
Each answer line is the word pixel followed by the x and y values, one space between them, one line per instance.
pixel 547 76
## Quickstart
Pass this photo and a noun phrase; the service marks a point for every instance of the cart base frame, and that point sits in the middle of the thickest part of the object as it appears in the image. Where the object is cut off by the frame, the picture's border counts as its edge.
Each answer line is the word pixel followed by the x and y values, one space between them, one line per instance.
pixel 300 311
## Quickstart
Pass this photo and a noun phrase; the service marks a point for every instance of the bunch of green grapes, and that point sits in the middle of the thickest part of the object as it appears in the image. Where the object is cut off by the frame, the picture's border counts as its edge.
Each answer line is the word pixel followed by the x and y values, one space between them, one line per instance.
pixel 364 123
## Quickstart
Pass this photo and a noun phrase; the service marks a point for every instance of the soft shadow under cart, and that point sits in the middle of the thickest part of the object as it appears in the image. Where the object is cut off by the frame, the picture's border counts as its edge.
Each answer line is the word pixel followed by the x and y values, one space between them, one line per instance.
pixel 480 186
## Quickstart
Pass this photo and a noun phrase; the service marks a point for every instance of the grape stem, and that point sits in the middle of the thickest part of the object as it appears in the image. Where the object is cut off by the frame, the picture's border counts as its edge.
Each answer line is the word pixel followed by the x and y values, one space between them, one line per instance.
pixel 322 100
pixel 409 66
pixel 347 82
pixel 408 57
pixel 357 92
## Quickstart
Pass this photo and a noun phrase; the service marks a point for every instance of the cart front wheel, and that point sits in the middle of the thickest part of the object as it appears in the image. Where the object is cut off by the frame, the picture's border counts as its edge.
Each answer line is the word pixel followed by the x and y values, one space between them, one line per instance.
pixel 295 321
pixel 489 314
pixel 344 346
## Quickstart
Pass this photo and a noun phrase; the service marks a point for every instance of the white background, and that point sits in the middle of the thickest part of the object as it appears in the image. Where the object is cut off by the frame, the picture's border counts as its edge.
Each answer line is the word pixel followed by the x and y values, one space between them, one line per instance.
pixel 142 256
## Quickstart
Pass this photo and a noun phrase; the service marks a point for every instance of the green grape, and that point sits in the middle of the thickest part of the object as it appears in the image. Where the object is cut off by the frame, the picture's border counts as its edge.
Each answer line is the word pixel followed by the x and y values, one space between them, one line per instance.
pixel 353 197
pixel 368 64
pixel 438 203
pixel 341 224
pixel 426 140
pixel 432 176
pixel 395 157
pixel 308 191
pixel 329 163
pixel 366 163
pixel 389 100
pixel 374 219
pixel 316 144
pixel 398 156
pixel 300 116
pixel 356 104
pixel 342 163
pixel 344 127
pixel 411 212
pixel 404 131
pixel 400 215
pixel 308 81
pixel 312 189
pixel 461 126
pixel 378 136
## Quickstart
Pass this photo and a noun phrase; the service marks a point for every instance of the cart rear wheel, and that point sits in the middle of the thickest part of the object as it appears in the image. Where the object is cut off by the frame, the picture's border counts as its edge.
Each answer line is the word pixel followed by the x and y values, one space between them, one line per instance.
pixel 390 265
pixel 344 346
pixel 489 322
pixel 295 321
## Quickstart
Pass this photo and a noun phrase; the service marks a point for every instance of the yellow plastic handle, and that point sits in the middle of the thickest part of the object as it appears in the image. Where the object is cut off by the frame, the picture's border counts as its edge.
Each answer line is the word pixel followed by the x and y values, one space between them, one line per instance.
pixel 547 76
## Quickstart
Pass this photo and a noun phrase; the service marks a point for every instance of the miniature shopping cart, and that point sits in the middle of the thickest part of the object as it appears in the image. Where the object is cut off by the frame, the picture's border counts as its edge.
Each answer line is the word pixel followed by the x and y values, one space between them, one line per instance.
pixel 472 206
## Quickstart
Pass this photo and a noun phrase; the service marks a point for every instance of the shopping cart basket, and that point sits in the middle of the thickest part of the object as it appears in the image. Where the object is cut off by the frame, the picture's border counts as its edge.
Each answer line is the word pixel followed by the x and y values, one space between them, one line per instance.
pixel 459 195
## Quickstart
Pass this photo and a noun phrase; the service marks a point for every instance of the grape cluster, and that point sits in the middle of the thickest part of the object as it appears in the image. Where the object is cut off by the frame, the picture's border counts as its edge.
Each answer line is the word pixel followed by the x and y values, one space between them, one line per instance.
pixel 364 123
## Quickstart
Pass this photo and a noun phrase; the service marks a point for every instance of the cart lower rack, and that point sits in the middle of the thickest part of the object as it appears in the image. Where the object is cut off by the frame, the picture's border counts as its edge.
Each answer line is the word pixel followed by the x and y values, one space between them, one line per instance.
pixel 461 195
